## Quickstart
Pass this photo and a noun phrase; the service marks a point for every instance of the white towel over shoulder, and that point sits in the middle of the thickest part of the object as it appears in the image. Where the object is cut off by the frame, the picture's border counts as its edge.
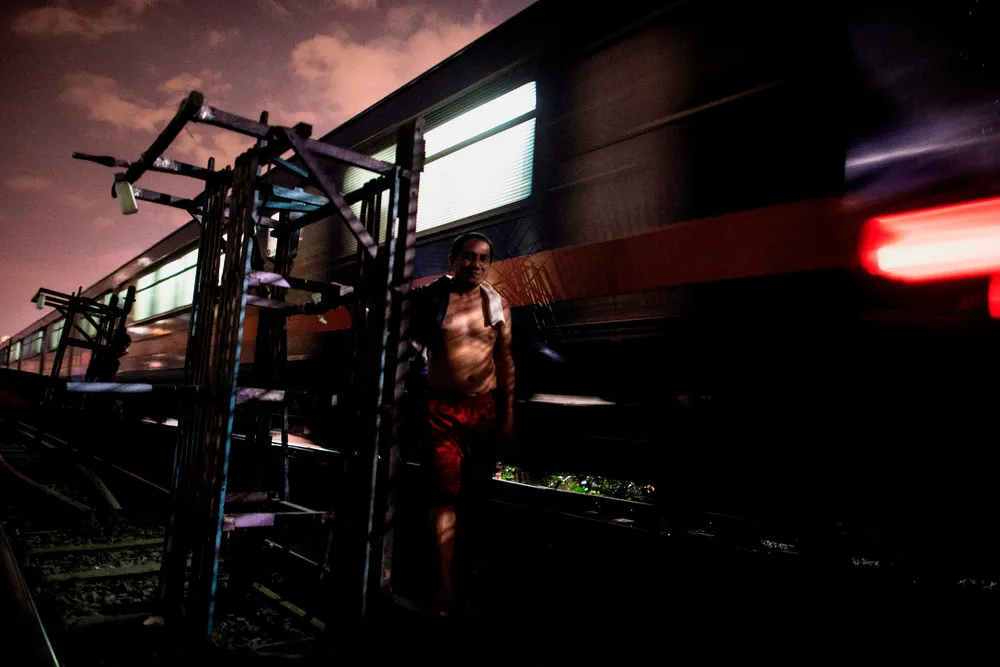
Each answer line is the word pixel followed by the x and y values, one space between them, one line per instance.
pixel 494 304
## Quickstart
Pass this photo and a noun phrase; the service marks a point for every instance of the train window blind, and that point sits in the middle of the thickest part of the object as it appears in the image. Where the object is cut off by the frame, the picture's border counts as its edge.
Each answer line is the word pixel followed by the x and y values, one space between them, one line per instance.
pixel 169 286
pixel 15 351
pixel 476 161
pixel 33 343
pixel 55 333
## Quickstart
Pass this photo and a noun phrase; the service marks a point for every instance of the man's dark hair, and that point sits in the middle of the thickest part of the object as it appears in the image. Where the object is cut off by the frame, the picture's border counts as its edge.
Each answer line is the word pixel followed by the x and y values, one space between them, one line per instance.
pixel 459 243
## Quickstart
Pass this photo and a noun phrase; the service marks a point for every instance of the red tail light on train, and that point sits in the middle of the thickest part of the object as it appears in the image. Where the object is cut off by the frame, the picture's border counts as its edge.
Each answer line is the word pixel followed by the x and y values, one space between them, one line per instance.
pixel 955 241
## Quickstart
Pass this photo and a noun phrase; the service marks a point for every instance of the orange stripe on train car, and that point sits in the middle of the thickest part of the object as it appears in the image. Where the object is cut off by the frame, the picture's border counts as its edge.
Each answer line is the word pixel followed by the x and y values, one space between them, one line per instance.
pixel 336 320
pixel 803 236
pixel 788 238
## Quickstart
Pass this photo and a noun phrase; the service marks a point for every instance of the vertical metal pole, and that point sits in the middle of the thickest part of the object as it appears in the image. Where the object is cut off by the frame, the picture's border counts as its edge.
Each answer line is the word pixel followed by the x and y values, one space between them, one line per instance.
pixel 44 351
pixel 225 370
pixel 387 320
pixel 409 156
pixel 381 293
pixel 284 453
pixel 284 259
pixel 61 349
pixel 181 525
pixel 352 517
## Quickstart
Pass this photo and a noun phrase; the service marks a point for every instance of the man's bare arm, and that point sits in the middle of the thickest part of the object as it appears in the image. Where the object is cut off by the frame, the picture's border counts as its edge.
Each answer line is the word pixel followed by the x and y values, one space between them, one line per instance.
pixel 505 372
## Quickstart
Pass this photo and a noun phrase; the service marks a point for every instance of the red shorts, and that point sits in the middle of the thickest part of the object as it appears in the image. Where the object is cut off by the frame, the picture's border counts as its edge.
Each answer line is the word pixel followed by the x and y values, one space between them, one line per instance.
pixel 459 440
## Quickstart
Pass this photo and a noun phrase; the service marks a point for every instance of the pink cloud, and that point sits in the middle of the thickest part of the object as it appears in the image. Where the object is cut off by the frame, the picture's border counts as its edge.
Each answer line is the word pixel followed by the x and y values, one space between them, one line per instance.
pixel 344 76
pixel 182 83
pixel 201 143
pixel 216 38
pixel 274 8
pixel 208 81
pixel 28 183
pixel 358 4
pixel 103 100
pixel 119 16
pixel 80 202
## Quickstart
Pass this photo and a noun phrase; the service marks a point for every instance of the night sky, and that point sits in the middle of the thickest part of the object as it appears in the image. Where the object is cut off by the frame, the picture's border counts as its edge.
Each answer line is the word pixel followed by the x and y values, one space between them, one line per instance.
pixel 104 78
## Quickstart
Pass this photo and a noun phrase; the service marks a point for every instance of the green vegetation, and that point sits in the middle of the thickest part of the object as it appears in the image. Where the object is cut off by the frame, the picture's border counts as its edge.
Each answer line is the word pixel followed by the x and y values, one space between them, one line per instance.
pixel 589 484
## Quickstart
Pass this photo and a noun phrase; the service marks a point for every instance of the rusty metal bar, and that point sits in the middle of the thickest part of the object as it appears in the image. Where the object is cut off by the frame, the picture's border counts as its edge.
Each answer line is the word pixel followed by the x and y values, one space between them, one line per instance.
pixel 260 278
pixel 304 220
pixel 328 210
pixel 160 164
pixel 349 157
pixel 272 206
pixel 268 191
pixel 302 148
pixel 247 394
pixel 59 299
pixel 166 200
pixel 207 115
pixel 281 163
pixel 187 111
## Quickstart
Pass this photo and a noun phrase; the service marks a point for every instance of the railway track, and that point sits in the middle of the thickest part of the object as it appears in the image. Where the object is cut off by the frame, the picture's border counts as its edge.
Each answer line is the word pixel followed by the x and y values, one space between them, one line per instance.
pixel 92 570
pixel 81 561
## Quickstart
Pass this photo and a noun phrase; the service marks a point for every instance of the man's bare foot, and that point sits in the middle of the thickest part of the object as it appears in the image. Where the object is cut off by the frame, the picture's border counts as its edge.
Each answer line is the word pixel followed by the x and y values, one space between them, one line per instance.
pixel 462 609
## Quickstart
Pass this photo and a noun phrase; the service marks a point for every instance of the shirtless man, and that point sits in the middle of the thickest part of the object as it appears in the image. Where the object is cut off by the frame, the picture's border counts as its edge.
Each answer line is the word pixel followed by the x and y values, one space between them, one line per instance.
pixel 465 327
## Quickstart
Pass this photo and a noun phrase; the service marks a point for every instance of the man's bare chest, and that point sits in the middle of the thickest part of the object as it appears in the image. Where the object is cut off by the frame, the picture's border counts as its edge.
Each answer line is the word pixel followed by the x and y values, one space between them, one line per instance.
pixel 466 320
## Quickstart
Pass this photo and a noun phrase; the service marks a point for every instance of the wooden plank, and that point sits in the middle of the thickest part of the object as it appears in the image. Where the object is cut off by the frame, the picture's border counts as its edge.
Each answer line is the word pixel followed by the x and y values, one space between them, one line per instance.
pixel 80 622
pixel 289 282
pixel 105 573
pixel 298 611
pixel 106 546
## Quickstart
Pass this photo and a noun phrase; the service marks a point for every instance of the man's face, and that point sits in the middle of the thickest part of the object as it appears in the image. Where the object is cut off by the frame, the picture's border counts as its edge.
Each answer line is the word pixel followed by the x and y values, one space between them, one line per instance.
pixel 472 262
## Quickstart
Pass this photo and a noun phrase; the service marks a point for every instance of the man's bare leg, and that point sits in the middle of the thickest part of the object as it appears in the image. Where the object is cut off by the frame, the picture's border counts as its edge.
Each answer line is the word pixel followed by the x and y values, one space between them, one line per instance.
pixel 443 523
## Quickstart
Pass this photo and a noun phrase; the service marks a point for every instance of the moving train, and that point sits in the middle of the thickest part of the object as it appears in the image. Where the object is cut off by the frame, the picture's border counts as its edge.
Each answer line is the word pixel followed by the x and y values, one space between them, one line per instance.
pixel 748 248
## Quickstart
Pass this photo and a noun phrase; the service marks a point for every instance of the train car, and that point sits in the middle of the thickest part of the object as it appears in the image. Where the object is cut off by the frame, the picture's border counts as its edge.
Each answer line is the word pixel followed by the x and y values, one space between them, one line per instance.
pixel 707 217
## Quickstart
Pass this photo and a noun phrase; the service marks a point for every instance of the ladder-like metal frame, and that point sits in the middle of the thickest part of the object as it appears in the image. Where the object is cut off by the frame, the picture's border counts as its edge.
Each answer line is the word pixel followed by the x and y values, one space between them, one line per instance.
pixel 107 320
pixel 235 206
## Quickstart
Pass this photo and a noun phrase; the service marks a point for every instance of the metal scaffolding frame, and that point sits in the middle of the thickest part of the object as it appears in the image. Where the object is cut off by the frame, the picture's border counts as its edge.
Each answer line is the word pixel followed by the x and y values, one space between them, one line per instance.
pixel 234 208
pixel 108 340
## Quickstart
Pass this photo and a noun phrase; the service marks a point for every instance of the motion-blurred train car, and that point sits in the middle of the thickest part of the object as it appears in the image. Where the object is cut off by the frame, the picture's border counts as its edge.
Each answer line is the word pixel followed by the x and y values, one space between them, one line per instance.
pixel 680 195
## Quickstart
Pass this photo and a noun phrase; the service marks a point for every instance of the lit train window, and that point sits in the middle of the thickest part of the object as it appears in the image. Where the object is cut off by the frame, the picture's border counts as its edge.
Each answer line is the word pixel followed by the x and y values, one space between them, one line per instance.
pixel 55 332
pixel 15 351
pixel 168 287
pixel 33 343
pixel 475 162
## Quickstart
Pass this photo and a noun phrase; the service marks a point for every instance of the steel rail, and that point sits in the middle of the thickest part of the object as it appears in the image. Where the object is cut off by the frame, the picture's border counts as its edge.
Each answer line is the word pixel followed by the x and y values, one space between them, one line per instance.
pixel 23 623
